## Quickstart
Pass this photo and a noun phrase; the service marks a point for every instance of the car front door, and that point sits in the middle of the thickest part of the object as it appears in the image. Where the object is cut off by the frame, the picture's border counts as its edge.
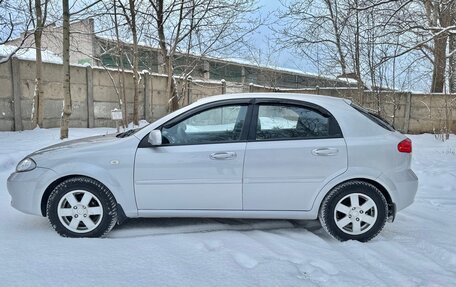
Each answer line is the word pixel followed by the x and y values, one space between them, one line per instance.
pixel 292 152
pixel 200 163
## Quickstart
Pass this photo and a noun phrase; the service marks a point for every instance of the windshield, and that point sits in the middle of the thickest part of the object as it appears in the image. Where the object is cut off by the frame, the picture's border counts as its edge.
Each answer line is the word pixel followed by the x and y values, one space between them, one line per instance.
pixel 128 133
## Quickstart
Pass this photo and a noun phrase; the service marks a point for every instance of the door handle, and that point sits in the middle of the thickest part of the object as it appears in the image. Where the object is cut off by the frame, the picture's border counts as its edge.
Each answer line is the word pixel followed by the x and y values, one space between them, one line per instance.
pixel 325 151
pixel 223 155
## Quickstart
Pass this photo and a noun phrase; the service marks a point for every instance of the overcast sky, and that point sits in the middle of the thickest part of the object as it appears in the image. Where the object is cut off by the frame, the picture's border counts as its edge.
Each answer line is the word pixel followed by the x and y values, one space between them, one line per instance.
pixel 263 40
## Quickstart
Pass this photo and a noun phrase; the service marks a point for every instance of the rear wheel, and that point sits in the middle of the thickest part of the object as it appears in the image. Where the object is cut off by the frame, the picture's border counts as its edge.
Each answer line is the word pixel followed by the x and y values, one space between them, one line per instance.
pixel 354 210
pixel 82 207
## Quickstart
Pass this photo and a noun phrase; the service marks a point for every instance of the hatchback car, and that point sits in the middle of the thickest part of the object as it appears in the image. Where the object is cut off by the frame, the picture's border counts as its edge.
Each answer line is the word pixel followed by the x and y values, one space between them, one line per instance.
pixel 276 156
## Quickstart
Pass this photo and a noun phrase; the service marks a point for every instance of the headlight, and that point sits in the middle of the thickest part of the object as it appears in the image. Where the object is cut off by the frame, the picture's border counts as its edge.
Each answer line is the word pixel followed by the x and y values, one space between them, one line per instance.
pixel 25 165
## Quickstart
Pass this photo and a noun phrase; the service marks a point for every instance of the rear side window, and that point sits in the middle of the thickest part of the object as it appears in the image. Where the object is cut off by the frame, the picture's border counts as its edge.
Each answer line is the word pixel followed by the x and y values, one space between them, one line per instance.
pixel 281 122
pixel 374 117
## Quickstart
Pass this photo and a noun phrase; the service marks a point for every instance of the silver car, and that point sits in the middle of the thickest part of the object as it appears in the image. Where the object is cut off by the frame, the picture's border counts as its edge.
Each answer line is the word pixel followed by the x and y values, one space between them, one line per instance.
pixel 283 156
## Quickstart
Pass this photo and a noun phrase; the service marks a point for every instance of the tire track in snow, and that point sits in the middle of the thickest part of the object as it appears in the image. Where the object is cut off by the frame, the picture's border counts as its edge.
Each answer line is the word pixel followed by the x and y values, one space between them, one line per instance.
pixel 284 245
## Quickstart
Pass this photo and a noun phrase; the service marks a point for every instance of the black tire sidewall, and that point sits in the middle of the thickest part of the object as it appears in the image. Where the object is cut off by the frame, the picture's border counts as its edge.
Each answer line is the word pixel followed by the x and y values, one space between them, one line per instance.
pixel 368 190
pixel 97 189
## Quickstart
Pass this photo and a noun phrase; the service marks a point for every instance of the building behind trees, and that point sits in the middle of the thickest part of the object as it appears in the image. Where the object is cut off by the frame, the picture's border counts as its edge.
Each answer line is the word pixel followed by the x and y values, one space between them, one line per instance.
pixel 87 47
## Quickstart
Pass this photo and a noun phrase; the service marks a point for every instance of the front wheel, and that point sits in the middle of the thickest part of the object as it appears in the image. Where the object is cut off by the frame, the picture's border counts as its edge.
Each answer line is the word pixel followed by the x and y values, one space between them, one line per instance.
pixel 82 207
pixel 354 210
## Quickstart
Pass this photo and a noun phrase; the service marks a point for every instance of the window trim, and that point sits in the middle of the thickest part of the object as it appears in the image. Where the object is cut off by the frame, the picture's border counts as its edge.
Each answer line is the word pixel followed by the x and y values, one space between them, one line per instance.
pixel 333 124
pixel 144 143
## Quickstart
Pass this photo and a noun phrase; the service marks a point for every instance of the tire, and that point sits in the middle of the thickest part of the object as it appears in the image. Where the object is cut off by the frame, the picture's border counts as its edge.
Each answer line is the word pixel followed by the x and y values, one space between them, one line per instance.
pixel 81 207
pixel 354 210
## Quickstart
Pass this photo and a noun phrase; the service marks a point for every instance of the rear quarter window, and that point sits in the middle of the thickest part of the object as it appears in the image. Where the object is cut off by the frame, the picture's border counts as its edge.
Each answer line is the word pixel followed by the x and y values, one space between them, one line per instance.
pixel 374 117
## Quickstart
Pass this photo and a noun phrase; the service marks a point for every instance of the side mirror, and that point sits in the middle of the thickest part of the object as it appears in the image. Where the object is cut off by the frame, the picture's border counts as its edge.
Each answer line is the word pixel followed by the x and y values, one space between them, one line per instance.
pixel 155 138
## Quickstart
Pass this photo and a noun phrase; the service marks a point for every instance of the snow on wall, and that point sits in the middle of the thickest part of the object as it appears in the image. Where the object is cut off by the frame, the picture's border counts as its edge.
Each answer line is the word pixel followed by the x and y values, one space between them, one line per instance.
pixel 28 54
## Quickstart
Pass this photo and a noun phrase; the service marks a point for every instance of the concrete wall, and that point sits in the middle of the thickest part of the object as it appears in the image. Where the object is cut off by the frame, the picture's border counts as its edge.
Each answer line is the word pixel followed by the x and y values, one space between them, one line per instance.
pixel 6 98
pixel 95 92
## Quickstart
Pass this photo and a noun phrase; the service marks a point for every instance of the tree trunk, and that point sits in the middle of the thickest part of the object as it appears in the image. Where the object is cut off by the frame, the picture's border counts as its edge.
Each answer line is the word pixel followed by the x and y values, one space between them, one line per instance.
pixel 135 63
pixel 120 51
pixel 452 51
pixel 452 63
pixel 438 73
pixel 67 106
pixel 37 110
pixel 171 89
pixel 333 12
pixel 124 95
pixel 359 82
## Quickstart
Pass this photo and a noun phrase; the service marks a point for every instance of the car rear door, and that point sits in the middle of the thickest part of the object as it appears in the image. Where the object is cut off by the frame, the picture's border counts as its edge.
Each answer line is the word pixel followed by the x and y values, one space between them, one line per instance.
pixel 293 150
pixel 200 163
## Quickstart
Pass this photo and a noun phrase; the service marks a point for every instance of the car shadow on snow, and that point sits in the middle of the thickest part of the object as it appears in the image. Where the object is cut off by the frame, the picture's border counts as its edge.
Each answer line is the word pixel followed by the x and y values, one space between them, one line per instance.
pixel 166 226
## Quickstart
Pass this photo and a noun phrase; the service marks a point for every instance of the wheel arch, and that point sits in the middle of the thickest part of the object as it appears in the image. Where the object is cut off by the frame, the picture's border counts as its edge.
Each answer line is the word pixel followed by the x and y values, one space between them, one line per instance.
pixel 377 184
pixel 55 183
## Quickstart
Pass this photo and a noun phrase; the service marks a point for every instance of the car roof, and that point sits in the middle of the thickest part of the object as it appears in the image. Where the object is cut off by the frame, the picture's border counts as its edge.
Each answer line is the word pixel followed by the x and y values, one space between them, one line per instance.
pixel 316 99
pixel 354 125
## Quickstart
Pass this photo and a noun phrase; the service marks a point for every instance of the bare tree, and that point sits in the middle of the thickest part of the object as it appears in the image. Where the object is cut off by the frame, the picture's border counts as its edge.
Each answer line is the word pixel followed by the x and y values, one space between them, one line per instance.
pixel 360 37
pixel 316 29
pixel 440 16
pixel 14 19
pixel 130 15
pixel 185 27
pixel 67 105
pixel 168 55
pixel 120 51
pixel 452 52
pixel 40 20
pixel 6 22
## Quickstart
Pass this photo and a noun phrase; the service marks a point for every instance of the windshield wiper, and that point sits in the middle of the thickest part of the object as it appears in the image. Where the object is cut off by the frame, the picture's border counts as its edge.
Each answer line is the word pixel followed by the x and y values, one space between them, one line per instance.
pixel 126 134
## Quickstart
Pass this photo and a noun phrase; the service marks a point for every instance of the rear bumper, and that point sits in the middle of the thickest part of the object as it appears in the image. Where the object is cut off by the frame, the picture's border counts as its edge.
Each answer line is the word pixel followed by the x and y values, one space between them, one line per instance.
pixel 26 189
pixel 402 186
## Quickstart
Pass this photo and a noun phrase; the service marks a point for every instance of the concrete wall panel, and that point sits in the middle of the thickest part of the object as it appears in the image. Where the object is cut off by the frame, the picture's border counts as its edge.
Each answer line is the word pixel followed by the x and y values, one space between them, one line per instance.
pixel 427 112
pixel 6 89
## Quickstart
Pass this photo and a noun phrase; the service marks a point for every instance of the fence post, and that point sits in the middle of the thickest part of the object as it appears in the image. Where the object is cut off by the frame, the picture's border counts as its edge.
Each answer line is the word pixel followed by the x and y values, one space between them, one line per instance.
pixel 361 96
pixel 16 80
pixel 251 88
pixel 317 90
pixel 223 86
pixel 146 100
pixel 90 108
pixel 189 90
pixel 206 70
pixel 243 75
pixel 408 107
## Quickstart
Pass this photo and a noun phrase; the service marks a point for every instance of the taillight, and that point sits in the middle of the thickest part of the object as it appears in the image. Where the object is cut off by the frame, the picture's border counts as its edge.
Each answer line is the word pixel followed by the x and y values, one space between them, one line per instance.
pixel 405 146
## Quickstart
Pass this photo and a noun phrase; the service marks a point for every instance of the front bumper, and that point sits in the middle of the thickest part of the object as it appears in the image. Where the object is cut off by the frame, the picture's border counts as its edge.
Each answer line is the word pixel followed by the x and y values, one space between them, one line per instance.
pixel 27 188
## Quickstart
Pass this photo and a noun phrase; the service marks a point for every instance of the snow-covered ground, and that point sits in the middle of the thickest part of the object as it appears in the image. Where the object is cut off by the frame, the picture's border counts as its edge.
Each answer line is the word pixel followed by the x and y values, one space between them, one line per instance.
pixel 418 249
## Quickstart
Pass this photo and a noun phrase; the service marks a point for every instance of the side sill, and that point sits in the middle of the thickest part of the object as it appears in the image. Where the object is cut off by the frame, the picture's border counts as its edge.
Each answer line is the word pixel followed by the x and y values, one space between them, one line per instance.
pixel 258 214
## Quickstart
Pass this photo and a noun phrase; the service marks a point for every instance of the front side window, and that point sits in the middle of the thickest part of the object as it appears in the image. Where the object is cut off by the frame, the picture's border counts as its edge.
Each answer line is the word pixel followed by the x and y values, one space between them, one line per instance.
pixel 291 122
pixel 216 125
